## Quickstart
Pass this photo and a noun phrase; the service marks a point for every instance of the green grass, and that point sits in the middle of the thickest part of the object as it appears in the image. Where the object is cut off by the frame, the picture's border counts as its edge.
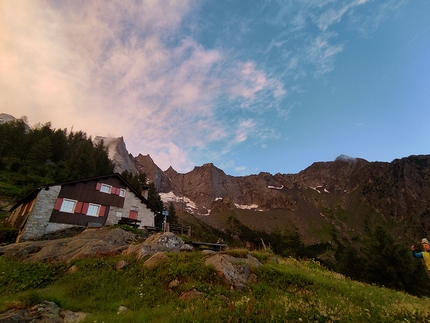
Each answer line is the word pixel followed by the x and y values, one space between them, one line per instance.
pixel 8 234
pixel 286 291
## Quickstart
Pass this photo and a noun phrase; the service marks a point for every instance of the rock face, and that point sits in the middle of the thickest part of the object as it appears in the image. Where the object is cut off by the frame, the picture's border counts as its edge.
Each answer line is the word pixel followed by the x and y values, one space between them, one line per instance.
pixel 118 153
pixel 145 164
pixel 4 117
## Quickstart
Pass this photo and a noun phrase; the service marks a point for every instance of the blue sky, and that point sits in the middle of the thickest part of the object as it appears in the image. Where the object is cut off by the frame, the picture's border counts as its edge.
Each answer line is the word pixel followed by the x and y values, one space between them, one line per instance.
pixel 250 86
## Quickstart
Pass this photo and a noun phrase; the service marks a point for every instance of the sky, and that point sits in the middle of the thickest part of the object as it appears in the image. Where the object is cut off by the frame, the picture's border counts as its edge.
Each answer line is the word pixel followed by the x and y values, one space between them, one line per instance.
pixel 250 86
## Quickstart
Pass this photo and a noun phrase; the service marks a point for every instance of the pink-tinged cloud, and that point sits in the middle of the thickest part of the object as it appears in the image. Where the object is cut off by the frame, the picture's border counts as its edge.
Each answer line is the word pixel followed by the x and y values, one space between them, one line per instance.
pixel 110 69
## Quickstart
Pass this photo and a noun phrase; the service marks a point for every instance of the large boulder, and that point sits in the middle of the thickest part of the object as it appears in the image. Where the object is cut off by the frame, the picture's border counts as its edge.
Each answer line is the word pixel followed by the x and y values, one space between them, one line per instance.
pixel 235 271
pixel 159 242
pixel 155 259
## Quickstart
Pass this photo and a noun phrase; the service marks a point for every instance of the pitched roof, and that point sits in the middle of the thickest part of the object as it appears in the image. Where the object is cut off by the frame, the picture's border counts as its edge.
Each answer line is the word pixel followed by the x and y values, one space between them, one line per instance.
pixel 34 193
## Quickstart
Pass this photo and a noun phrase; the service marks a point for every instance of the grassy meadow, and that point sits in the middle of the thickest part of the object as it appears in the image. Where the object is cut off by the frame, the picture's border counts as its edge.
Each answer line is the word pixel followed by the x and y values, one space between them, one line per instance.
pixel 287 290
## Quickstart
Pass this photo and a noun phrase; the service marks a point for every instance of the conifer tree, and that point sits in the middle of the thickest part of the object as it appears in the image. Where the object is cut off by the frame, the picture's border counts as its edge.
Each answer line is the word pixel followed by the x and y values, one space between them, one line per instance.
pixel 59 145
pixel 103 165
pixel 350 263
pixel 391 265
pixel 155 200
pixel 173 218
pixel 81 162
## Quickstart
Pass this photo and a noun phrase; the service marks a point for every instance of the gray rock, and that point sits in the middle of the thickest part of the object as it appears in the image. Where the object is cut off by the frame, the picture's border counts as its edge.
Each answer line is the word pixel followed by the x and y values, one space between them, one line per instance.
pixel 73 317
pixel 121 265
pixel 155 260
pixel 192 294
pixel 45 312
pixel 186 247
pixel 235 271
pixel 159 242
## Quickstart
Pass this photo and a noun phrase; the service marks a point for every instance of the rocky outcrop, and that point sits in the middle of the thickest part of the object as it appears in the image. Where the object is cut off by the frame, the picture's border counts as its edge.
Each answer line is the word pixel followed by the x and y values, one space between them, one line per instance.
pixel 145 164
pixel 91 242
pixel 45 312
pixel 236 272
pixel 158 242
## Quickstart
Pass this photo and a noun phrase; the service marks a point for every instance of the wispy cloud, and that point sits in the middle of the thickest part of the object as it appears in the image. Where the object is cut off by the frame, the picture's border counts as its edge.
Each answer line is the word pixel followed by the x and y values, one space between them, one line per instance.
pixel 122 68
pixel 139 69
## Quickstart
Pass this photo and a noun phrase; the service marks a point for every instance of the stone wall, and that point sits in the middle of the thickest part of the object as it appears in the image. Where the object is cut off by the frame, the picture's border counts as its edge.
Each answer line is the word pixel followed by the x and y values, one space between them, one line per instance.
pixel 131 202
pixel 38 220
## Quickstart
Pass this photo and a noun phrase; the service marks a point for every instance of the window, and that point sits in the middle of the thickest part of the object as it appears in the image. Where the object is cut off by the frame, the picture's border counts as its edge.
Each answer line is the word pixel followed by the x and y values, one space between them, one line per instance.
pixel 105 188
pixel 93 209
pixel 122 192
pixel 133 214
pixel 68 206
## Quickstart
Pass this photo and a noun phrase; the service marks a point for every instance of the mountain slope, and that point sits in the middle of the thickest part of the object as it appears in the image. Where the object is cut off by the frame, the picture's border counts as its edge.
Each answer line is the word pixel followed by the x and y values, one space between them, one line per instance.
pixel 347 196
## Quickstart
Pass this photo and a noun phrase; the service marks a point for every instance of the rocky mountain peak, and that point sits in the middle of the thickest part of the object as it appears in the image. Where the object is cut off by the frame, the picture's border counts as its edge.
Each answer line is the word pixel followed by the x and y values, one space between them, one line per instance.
pixel 145 164
pixel 118 153
pixel 4 117
pixel 171 171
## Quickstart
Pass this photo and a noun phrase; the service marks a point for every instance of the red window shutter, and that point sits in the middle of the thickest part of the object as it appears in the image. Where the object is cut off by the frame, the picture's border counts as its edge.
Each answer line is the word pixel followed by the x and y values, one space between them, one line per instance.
pixel 98 186
pixel 85 208
pixel 78 207
pixel 133 215
pixel 58 203
pixel 117 190
pixel 102 210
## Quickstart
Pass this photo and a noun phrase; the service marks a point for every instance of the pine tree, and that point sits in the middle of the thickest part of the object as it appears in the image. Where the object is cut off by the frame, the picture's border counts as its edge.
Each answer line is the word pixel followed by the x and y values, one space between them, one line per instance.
pixel 173 218
pixel 155 200
pixel 103 165
pixel 81 163
pixel 391 265
pixel 350 263
pixel 59 145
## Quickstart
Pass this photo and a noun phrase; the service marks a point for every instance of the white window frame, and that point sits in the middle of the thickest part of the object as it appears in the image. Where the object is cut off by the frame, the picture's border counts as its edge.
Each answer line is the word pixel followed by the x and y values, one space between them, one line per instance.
pixel 68 206
pixel 122 192
pixel 93 209
pixel 105 188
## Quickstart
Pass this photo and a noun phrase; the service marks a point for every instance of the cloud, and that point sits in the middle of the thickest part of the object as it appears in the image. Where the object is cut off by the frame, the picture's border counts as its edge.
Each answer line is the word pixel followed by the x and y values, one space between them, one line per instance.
pixel 323 54
pixel 143 69
pixel 243 129
pixel 122 68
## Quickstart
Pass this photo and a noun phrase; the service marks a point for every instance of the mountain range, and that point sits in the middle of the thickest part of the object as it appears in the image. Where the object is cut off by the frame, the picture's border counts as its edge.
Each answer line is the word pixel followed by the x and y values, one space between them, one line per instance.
pixel 336 203
pixel 328 202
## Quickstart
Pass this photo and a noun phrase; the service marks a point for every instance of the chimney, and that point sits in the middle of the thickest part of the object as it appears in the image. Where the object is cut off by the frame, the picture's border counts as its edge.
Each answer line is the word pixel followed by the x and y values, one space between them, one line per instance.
pixel 145 190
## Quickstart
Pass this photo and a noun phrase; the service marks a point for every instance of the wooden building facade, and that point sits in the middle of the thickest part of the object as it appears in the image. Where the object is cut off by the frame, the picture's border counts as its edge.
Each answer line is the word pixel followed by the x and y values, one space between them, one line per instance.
pixel 92 202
